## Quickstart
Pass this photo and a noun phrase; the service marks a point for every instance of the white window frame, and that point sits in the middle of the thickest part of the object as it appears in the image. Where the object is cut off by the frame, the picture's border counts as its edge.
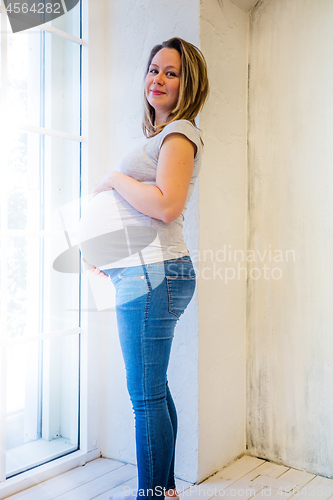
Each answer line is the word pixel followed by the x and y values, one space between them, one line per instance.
pixel 89 417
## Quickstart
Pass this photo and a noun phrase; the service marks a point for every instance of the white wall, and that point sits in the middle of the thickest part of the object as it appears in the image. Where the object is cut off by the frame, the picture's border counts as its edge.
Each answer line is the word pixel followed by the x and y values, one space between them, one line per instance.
pixel 222 211
pixel 290 320
pixel 207 367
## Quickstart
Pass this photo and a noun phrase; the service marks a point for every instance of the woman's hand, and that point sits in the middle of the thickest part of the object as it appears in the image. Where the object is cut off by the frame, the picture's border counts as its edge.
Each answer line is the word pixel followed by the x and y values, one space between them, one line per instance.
pixel 94 270
pixel 106 182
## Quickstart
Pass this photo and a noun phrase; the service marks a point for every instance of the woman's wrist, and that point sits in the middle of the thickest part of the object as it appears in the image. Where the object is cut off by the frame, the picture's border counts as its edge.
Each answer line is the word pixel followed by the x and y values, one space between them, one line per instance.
pixel 114 179
pixel 106 182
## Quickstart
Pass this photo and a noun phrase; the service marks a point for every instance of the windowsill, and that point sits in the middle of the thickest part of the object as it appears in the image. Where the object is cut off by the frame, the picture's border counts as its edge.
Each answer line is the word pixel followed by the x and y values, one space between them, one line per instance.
pixel 46 471
pixel 35 453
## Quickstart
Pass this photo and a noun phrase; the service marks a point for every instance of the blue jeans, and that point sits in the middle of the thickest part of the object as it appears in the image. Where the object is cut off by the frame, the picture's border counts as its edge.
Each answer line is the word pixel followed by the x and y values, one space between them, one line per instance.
pixel 149 301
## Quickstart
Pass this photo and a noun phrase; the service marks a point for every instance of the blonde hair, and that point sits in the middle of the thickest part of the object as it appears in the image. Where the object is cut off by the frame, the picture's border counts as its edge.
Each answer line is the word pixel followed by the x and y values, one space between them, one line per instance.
pixel 193 88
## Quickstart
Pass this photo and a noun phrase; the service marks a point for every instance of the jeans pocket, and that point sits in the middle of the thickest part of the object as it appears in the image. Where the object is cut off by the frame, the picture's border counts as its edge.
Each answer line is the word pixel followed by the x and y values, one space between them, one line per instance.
pixel 180 291
pixel 180 269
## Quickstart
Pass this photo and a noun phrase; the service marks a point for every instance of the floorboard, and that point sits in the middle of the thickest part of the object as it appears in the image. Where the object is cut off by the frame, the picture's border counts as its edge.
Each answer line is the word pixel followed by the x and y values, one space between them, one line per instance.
pixel 245 478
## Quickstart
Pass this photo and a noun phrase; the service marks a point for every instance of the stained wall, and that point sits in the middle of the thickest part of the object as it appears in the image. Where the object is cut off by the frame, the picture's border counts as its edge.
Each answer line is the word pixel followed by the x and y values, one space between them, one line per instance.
pixel 290 185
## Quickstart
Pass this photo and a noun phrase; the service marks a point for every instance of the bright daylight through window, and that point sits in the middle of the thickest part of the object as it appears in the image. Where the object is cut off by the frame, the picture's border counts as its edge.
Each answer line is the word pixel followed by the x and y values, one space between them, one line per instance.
pixel 40 158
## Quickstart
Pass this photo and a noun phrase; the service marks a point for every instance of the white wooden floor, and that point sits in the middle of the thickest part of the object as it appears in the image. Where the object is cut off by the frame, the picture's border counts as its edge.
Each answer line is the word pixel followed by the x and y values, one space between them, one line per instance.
pixel 245 478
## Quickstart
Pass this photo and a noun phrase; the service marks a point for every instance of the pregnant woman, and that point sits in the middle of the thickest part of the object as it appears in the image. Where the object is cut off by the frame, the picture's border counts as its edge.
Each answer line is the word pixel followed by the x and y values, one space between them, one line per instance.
pixel 149 191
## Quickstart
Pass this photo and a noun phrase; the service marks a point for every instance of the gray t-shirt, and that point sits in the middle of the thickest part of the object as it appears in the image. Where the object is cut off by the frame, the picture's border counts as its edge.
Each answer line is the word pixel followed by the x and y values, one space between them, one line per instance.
pixel 110 215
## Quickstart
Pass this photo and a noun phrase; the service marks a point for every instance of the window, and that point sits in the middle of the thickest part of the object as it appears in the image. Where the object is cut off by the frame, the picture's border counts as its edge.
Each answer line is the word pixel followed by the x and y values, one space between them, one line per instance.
pixel 40 158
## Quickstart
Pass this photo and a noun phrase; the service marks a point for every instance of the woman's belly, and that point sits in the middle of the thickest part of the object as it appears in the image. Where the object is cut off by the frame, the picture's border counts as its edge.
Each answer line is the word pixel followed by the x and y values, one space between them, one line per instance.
pixel 110 230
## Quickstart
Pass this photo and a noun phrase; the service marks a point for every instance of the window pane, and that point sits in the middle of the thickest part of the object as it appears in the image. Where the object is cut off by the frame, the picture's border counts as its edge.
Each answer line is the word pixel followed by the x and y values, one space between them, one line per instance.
pixel 61 73
pixel 24 183
pixel 23 275
pixel 23 253
pixel 43 195
pixel 42 402
pixel 70 22
pixel 23 66
pixel 62 84
pixel 22 390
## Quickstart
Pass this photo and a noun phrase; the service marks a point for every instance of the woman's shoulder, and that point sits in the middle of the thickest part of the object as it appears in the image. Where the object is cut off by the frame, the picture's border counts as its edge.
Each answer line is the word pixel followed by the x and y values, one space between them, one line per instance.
pixel 180 125
pixel 184 127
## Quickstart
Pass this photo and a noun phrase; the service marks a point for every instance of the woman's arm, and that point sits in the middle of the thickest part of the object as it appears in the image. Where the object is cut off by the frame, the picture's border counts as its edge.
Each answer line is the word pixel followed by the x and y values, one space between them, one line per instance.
pixel 166 200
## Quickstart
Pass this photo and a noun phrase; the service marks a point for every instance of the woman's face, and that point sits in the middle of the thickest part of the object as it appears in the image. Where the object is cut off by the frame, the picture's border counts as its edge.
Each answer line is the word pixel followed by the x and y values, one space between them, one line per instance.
pixel 162 83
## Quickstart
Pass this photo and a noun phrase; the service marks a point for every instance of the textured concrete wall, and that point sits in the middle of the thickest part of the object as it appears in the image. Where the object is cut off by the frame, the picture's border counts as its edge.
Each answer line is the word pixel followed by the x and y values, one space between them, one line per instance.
pixel 290 320
pixel 222 210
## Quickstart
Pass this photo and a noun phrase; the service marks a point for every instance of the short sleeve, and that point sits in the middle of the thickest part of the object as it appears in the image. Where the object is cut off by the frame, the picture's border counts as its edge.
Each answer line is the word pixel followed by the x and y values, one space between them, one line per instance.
pixel 181 127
